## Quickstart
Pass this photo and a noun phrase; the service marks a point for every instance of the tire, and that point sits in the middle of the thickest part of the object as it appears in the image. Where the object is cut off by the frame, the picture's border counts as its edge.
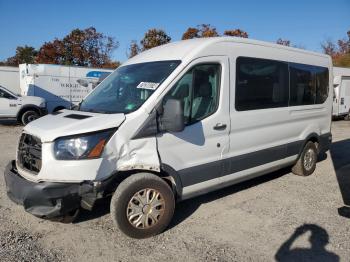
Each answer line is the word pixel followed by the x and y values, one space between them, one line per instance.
pixel 347 116
pixel 29 116
pixel 306 163
pixel 138 220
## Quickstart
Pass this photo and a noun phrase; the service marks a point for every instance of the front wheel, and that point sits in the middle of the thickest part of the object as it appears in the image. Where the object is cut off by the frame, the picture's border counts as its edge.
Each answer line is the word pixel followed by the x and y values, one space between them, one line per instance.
pixel 307 160
pixel 29 116
pixel 143 205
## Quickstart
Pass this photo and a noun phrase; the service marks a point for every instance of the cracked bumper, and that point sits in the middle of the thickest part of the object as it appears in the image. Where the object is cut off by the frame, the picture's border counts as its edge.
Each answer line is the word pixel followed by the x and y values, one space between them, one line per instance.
pixel 47 199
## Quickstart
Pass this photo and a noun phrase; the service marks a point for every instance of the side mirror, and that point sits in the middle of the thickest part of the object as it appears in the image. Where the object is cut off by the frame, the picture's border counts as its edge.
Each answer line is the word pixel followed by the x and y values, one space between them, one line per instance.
pixel 172 119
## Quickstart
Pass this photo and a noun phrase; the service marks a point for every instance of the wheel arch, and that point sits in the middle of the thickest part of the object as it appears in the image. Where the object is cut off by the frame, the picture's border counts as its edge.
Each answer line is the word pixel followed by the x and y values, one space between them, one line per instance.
pixel 167 173
pixel 313 137
pixel 26 108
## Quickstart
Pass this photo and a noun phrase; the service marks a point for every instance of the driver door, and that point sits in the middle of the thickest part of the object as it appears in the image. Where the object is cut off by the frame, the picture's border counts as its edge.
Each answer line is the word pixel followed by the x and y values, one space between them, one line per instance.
pixel 8 104
pixel 196 153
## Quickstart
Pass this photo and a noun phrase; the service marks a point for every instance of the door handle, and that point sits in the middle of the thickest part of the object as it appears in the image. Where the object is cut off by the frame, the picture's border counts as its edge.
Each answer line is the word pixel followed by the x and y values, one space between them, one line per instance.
pixel 219 126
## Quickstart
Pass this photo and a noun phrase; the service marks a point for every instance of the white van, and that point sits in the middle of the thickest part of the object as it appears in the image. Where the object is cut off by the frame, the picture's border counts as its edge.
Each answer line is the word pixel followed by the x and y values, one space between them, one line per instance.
pixel 341 99
pixel 62 87
pixel 22 108
pixel 175 122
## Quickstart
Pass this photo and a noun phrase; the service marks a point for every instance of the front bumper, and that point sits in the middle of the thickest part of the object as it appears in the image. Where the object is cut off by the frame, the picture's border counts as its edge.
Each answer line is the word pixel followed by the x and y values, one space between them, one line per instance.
pixel 49 199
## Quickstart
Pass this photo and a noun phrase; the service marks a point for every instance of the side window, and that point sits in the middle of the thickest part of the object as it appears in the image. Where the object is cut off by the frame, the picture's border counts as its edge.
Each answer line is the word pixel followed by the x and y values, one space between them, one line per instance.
pixel 308 84
pixel 322 80
pixel 260 84
pixel 302 85
pixel 4 94
pixel 199 91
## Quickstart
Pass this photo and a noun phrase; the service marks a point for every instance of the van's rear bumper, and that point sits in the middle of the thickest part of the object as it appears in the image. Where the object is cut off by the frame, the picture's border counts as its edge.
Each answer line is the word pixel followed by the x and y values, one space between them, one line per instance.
pixel 48 199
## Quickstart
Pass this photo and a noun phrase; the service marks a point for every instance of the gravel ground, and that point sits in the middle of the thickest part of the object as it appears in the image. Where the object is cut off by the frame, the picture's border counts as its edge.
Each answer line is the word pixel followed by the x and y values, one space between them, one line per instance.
pixel 276 217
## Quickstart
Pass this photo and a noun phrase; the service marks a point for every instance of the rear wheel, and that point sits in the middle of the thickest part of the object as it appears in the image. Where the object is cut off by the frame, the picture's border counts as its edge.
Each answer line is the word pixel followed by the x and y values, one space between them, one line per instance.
pixel 143 205
pixel 306 163
pixel 29 116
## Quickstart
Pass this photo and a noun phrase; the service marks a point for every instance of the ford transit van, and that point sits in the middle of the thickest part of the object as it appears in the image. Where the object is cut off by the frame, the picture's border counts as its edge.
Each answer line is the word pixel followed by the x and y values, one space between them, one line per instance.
pixel 174 122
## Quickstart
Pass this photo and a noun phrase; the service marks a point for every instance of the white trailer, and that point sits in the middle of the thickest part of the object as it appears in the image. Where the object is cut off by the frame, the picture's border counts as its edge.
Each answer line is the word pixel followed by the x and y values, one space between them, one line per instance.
pixel 61 86
pixel 9 78
pixel 341 99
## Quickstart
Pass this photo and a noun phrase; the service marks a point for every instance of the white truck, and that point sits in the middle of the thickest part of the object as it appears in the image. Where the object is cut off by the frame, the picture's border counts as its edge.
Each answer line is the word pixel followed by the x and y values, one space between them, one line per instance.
pixel 9 77
pixel 61 86
pixel 341 99
pixel 23 108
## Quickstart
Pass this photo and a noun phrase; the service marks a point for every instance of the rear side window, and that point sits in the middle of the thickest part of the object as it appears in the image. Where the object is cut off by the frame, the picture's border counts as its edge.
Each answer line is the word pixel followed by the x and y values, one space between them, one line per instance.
pixel 199 91
pixel 308 84
pixel 261 83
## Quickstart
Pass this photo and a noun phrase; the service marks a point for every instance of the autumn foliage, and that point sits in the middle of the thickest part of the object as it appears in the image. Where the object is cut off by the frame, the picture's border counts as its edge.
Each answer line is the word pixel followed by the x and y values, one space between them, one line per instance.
pixel 85 47
pixel 154 37
pixel 339 51
pixel 236 33
pixel 24 54
pixel 80 47
pixel 203 30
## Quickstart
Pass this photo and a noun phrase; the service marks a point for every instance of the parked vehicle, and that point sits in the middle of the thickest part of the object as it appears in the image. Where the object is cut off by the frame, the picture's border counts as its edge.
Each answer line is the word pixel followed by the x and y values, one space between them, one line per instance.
pixel 23 108
pixel 341 99
pixel 175 122
pixel 9 77
pixel 61 86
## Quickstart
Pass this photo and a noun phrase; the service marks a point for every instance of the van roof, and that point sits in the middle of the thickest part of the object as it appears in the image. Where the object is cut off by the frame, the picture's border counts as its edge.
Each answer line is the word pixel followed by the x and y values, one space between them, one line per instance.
pixel 181 49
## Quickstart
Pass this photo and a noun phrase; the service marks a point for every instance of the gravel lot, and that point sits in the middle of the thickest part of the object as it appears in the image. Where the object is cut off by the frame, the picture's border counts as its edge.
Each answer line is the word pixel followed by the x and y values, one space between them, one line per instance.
pixel 275 217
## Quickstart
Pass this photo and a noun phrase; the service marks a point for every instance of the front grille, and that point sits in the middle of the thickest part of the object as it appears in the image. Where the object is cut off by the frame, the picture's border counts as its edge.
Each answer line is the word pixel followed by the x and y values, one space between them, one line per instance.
pixel 29 153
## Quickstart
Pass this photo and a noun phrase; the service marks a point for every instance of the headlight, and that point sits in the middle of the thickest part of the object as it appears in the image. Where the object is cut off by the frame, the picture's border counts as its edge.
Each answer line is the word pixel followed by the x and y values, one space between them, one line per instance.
pixel 81 146
pixel 42 104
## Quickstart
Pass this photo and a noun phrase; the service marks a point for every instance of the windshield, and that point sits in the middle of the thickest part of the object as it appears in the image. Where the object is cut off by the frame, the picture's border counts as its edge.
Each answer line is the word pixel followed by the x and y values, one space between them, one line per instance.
pixel 127 88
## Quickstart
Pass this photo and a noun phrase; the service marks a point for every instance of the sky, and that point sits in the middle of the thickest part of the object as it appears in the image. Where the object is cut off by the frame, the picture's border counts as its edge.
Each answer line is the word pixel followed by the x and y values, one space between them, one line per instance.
pixel 304 23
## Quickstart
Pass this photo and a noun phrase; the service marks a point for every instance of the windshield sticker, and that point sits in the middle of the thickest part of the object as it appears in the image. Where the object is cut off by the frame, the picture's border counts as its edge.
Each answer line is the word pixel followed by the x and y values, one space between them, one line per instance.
pixel 148 85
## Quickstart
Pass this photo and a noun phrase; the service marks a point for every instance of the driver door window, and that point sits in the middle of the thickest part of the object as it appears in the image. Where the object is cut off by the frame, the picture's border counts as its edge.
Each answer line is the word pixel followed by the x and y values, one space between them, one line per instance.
pixel 199 91
pixel 4 94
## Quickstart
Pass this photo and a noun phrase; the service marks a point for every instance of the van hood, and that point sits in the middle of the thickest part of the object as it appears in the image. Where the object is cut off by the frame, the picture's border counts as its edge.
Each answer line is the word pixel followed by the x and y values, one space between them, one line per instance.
pixel 68 122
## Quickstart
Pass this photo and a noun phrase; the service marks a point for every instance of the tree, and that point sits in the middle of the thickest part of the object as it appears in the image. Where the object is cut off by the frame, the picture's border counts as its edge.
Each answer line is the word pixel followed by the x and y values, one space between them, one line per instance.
pixel 203 30
pixel 344 45
pixel 329 47
pixel 81 48
pixel 284 42
pixel 237 33
pixel 190 33
pixel 51 53
pixel 24 54
pixel 207 30
pixel 339 51
pixel 154 37
pixel 342 60
pixel 134 49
